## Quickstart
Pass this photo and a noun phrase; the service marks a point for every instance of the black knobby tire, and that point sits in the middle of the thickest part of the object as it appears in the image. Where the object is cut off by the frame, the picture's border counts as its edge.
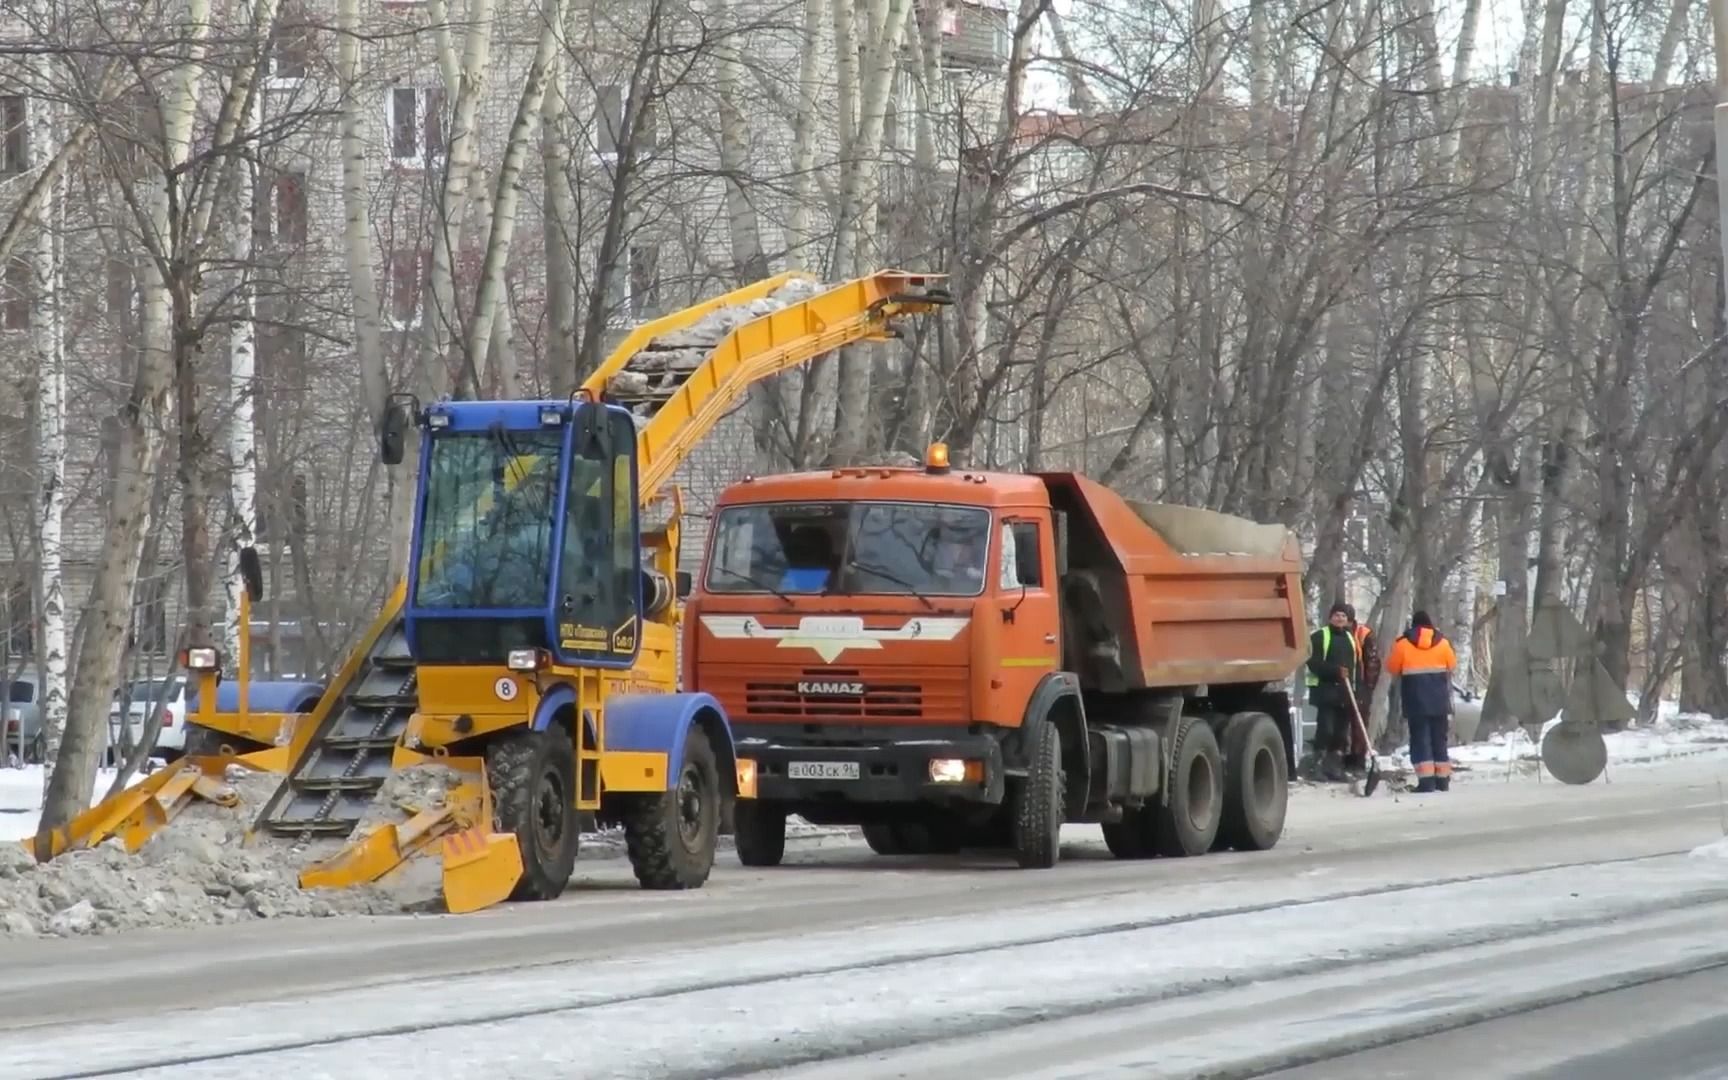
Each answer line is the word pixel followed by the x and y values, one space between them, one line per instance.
pixel 533 777
pixel 671 837
pixel 1130 838
pixel 1228 733
pixel 759 832
pixel 884 839
pixel 1256 784
pixel 1189 823
pixel 1036 800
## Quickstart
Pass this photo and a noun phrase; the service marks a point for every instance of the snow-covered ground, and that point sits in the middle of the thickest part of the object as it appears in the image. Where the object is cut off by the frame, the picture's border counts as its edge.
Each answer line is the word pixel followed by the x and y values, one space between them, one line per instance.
pixel 777 1002
pixel 1672 734
pixel 21 798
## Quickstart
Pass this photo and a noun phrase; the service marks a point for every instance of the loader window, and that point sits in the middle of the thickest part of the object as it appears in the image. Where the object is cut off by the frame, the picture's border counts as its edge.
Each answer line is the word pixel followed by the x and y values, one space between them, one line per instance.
pixel 859 548
pixel 486 528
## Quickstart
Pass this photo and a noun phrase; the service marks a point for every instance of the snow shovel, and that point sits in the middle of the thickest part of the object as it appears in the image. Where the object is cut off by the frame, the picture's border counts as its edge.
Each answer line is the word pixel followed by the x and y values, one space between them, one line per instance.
pixel 1371 777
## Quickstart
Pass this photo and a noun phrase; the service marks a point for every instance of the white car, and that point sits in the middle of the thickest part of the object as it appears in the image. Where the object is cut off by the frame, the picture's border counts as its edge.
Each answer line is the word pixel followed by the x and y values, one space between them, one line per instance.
pixel 171 742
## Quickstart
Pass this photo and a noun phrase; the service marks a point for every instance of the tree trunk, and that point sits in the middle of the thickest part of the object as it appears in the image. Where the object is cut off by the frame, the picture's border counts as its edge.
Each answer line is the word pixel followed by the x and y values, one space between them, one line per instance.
pixel 242 439
pixel 143 418
pixel 47 352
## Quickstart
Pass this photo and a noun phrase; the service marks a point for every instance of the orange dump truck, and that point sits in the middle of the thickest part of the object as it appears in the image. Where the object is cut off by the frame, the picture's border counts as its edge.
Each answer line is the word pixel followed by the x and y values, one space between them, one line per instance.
pixel 953 658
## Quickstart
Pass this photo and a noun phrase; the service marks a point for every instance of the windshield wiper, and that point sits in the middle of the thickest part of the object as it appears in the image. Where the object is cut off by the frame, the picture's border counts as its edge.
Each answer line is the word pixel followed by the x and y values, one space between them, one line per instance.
pixel 750 579
pixel 890 576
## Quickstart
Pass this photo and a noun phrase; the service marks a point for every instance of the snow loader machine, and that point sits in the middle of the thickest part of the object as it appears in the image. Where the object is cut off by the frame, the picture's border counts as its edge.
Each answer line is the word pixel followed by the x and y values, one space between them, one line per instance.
pixel 955 658
pixel 531 647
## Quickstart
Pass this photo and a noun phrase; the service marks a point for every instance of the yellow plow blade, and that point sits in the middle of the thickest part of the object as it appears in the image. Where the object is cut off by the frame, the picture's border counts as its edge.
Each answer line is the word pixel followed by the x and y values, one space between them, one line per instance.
pixel 481 868
pixel 142 810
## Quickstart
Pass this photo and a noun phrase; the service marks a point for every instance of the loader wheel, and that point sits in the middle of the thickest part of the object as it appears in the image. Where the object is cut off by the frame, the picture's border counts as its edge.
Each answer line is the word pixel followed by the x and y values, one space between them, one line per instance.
pixel 1036 800
pixel 1189 823
pixel 671 836
pixel 533 776
pixel 1256 784
pixel 759 832
pixel 207 742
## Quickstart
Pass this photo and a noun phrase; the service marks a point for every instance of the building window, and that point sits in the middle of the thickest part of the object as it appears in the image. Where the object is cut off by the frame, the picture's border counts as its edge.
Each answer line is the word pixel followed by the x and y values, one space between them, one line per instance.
pixel 415 117
pixel 281 208
pixel 644 279
pixel 610 107
pixel 150 616
pixel 291 46
pixel 404 288
pixel 20 619
pixel 14 135
pixel 15 295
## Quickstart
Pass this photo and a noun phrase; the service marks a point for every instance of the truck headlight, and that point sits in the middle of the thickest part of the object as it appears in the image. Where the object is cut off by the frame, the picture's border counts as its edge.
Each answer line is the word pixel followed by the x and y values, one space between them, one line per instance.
pixel 947 771
pixel 525 660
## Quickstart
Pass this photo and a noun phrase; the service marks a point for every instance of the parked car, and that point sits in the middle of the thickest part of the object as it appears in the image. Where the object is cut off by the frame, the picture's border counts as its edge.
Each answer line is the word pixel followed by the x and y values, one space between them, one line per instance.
pixel 143 695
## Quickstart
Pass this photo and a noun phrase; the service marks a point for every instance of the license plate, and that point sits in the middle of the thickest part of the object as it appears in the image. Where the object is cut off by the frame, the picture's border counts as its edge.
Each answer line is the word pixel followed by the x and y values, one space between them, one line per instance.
pixel 822 770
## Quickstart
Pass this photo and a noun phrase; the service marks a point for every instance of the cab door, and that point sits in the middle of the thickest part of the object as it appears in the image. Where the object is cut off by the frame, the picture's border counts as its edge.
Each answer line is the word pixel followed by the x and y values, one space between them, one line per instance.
pixel 1029 636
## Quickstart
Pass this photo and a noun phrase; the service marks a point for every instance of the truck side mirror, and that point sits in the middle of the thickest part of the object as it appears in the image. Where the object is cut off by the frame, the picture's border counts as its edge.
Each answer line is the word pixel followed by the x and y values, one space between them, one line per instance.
pixel 1061 522
pixel 682 584
pixel 393 432
pixel 252 573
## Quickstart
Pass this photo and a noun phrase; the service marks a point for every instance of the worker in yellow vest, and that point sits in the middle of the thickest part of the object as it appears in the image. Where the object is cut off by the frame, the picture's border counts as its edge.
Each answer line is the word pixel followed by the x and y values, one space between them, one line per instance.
pixel 1332 660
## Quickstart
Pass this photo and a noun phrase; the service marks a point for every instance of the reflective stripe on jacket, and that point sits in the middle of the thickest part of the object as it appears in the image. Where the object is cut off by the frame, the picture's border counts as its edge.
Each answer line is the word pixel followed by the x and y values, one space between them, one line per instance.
pixel 1422 660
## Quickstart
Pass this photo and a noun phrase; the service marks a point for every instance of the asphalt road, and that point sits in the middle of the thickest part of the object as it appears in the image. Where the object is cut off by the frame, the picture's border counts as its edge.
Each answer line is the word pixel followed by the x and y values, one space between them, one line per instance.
pixel 1336 847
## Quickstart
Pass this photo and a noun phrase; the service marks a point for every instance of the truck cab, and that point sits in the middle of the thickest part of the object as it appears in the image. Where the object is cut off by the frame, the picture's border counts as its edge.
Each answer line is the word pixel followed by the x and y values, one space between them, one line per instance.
pixel 911 650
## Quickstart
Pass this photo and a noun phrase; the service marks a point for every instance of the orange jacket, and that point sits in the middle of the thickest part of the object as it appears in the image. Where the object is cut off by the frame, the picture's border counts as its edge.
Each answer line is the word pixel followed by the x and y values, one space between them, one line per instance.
pixel 1422 661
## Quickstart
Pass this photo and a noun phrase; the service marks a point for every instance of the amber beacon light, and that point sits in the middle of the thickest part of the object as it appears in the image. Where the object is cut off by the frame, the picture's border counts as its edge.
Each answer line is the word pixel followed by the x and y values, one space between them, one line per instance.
pixel 936 458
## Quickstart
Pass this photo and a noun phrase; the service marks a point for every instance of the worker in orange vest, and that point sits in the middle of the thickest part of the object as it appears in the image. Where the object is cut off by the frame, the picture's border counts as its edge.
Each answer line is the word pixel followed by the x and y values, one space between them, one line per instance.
pixel 1422 661
pixel 1367 677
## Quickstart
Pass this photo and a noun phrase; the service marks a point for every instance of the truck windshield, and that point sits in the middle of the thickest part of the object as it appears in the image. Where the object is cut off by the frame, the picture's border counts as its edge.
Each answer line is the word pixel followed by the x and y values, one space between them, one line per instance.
pixel 486 534
pixel 850 548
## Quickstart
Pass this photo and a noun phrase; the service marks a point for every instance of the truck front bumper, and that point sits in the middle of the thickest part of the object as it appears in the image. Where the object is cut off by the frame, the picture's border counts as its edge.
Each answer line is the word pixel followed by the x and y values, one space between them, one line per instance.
pixel 882 770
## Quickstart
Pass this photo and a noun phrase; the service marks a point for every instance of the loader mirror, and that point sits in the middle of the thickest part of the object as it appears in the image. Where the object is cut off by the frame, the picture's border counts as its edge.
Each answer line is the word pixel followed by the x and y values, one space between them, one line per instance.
pixel 393 433
pixel 252 573
pixel 593 435
pixel 682 584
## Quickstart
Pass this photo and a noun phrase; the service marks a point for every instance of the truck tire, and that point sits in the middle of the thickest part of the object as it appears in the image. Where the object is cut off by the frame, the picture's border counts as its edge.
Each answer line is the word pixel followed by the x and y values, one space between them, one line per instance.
pixel 533 778
pixel 1130 838
pixel 759 832
pixel 671 837
pixel 883 839
pixel 1036 801
pixel 1256 784
pixel 1188 825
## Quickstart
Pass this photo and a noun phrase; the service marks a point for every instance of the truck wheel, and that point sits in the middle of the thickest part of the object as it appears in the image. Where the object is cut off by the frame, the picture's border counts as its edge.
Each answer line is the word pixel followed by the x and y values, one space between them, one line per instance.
pixel 883 839
pixel 1256 784
pixel 671 837
pixel 1130 838
pixel 931 837
pixel 1036 801
pixel 533 777
pixel 759 831
pixel 1189 823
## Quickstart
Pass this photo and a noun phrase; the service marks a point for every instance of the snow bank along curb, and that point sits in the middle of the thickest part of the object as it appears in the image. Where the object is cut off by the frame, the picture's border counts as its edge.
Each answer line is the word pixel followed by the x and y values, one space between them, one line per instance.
pixel 199 870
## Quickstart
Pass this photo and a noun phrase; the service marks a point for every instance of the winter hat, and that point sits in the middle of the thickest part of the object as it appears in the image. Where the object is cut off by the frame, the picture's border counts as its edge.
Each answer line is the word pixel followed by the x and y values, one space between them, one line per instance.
pixel 1421 619
pixel 1341 608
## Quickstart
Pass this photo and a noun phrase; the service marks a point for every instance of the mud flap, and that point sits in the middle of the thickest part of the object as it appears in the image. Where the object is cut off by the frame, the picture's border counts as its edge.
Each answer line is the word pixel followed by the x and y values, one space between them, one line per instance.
pixel 481 868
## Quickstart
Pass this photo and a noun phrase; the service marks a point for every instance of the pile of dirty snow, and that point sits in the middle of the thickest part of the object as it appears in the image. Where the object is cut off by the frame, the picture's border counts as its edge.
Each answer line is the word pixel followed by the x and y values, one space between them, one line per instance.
pixel 201 871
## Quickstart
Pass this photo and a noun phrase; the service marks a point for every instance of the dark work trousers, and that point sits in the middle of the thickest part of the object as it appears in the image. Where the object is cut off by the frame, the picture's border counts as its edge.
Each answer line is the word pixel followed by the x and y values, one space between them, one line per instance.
pixel 1332 724
pixel 1428 745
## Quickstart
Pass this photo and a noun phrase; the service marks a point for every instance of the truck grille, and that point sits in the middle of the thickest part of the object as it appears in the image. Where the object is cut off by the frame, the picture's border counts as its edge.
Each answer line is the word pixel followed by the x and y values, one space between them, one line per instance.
pixel 826 695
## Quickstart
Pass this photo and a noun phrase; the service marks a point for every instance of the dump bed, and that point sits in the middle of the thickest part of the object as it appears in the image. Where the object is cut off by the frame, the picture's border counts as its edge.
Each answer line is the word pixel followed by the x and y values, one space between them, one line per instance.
pixel 1158 595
